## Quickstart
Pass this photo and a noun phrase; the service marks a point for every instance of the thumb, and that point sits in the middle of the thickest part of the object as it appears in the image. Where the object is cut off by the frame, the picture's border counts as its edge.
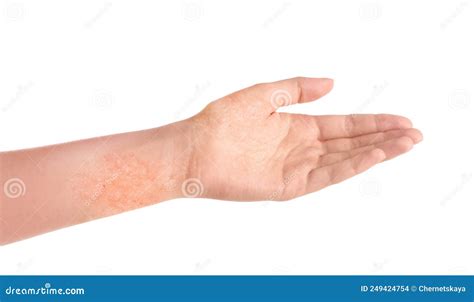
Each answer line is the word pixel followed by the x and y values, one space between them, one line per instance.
pixel 296 90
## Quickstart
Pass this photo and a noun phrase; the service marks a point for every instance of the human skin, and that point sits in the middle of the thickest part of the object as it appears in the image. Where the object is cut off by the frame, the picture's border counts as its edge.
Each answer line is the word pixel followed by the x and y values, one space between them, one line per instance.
pixel 238 148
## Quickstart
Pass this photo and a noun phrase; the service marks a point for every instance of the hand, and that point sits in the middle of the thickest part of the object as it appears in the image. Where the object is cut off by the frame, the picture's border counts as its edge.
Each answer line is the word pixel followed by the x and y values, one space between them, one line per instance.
pixel 245 150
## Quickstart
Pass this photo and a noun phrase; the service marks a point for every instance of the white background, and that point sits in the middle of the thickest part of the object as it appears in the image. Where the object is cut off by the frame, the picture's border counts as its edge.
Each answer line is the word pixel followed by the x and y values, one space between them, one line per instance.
pixel 78 69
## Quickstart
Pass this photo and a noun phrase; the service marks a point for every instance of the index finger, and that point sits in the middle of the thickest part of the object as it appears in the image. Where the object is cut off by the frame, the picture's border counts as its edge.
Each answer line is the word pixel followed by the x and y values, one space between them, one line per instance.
pixel 340 126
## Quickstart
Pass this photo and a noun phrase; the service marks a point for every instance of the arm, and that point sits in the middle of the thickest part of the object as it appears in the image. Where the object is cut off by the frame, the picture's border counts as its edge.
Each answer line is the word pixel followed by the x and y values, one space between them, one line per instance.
pixel 238 148
pixel 56 186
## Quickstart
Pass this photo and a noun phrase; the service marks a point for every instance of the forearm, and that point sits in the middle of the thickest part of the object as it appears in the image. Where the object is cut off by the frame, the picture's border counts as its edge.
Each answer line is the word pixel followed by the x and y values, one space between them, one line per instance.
pixel 57 186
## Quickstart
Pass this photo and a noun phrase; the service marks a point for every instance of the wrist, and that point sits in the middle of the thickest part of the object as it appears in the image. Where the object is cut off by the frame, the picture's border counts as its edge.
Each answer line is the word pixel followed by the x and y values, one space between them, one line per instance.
pixel 174 153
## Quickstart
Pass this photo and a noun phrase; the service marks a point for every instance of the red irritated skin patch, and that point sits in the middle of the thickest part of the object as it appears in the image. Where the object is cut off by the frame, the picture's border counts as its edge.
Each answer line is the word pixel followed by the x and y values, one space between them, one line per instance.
pixel 115 183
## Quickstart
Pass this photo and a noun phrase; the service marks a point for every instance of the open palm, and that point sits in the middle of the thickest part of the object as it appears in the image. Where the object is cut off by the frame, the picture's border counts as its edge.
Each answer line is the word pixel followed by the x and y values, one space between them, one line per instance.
pixel 249 151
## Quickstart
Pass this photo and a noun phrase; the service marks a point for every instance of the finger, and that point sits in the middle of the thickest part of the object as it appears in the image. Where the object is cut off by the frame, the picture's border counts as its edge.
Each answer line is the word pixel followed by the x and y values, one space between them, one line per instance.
pixel 322 177
pixel 391 148
pixel 293 91
pixel 340 126
pixel 346 144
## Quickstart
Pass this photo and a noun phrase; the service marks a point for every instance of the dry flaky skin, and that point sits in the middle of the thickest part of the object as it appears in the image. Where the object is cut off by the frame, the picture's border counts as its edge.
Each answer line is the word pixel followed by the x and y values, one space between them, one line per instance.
pixel 237 148
pixel 112 188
